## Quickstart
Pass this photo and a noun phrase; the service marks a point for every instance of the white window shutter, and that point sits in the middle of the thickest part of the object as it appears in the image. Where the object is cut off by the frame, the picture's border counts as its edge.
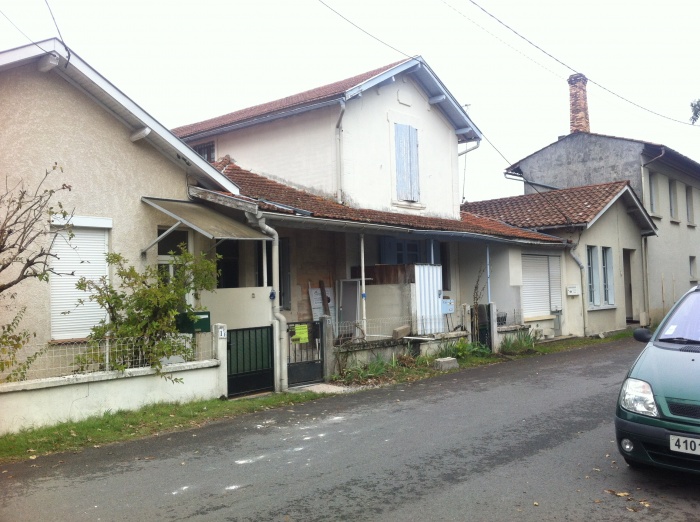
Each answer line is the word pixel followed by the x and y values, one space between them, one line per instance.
pixel 84 255
pixel 535 289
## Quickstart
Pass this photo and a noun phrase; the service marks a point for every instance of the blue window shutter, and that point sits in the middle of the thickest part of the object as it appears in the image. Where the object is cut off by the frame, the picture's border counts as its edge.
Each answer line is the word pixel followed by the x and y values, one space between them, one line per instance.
pixel 406 141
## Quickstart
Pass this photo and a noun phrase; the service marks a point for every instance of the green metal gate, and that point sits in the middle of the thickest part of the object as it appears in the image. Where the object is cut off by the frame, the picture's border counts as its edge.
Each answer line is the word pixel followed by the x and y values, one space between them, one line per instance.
pixel 250 360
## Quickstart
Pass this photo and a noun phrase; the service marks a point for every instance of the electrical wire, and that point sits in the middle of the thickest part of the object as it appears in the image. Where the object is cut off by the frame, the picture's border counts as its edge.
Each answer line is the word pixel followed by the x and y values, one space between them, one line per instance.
pixel 21 32
pixel 530 42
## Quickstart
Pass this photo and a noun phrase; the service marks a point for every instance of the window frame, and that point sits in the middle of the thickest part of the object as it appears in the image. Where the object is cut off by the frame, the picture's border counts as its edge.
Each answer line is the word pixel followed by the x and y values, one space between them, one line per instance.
pixel 689 205
pixel 206 150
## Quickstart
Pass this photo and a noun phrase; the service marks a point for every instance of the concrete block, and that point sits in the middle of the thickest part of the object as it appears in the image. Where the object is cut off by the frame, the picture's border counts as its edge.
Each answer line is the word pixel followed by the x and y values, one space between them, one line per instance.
pixel 400 332
pixel 446 363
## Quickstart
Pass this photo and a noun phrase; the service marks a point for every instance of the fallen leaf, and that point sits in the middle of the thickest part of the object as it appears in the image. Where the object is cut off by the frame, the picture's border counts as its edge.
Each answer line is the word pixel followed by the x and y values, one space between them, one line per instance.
pixel 623 494
pixel 633 510
pixel 535 503
pixel 32 457
pixel 596 469
pixel 597 501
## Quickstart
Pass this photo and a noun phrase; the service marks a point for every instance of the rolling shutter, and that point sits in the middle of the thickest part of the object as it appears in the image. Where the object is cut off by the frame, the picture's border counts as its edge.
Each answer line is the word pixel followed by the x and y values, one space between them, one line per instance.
pixel 84 255
pixel 535 289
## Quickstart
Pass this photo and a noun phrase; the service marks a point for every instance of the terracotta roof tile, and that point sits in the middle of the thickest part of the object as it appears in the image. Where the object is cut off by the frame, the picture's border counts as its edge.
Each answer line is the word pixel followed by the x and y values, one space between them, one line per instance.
pixel 276 197
pixel 320 93
pixel 572 206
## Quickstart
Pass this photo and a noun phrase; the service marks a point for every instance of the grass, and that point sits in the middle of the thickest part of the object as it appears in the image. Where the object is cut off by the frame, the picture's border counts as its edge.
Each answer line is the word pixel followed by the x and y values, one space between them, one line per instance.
pixel 165 418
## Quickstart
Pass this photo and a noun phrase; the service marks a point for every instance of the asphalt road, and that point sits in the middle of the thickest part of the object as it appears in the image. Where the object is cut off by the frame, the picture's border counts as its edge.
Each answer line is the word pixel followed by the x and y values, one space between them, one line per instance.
pixel 528 440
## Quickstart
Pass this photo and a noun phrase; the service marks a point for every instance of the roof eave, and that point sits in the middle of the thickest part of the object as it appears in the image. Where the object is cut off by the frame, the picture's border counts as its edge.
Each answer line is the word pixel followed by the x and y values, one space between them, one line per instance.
pixel 82 76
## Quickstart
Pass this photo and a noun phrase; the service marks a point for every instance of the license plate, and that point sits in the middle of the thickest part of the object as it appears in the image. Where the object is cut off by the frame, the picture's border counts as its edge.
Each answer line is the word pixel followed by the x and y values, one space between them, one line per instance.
pixel 685 445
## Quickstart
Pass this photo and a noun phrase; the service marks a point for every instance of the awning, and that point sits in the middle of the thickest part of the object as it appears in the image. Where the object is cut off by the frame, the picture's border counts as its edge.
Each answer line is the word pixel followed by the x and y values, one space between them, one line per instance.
pixel 204 220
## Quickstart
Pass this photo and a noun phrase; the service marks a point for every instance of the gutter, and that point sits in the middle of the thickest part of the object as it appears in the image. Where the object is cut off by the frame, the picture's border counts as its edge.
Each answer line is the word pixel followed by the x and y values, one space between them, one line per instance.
pixel 344 225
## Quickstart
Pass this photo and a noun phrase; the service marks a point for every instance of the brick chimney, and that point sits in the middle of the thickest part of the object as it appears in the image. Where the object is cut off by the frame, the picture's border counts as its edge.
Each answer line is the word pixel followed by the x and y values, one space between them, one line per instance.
pixel 578 104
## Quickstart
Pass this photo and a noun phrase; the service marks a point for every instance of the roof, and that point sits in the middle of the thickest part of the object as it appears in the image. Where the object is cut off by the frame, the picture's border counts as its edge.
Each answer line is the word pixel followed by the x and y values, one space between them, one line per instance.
pixel 53 57
pixel 274 198
pixel 342 90
pixel 653 150
pixel 571 207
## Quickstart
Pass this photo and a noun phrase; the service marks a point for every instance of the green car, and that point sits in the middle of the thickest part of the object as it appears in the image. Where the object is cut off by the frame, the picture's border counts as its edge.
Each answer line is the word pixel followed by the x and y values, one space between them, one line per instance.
pixel 657 419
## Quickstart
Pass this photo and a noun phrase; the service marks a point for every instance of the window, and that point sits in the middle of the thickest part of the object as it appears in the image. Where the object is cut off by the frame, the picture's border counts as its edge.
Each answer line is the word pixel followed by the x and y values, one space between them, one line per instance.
pixel 541 290
pixel 285 289
pixel 227 264
pixel 601 276
pixel 593 276
pixel 83 255
pixel 689 210
pixel 673 199
pixel 608 276
pixel 395 251
pixel 407 182
pixel 445 262
pixel 206 150
pixel 653 194
pixel 693 268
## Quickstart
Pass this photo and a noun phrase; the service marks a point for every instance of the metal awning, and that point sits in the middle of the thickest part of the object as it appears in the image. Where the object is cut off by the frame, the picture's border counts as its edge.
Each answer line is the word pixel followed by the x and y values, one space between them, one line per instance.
pixel 204 220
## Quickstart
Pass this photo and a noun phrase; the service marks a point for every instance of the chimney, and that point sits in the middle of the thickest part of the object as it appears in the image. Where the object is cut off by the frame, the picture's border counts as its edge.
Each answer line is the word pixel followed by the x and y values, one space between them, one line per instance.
pixel 578 104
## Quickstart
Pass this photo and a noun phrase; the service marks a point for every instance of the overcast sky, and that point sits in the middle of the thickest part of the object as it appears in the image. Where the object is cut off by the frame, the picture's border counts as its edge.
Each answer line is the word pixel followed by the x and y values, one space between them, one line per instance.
pixel 186 61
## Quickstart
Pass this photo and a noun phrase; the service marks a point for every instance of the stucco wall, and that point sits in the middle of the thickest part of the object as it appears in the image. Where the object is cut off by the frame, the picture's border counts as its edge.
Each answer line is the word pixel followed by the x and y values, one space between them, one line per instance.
pixel 47 120
pixel 584 159
pixel 303 150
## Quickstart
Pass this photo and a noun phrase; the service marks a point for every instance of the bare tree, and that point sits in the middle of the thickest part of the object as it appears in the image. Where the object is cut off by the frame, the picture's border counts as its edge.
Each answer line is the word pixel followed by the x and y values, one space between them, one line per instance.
pixel 30 223
pixel 695 111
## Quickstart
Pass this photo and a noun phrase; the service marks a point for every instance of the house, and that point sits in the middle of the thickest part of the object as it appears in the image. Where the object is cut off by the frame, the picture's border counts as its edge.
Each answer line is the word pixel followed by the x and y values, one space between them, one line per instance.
pixel 130 179
pixel 138 190
pixel 599 285
pixel 360 179
pixel 665 181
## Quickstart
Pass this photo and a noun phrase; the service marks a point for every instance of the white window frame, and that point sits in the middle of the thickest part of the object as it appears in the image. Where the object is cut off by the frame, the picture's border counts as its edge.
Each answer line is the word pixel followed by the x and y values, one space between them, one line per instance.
pixel 689 206
pixel 600 270
pixel 608 273
pixel 83 255
pixel 165 260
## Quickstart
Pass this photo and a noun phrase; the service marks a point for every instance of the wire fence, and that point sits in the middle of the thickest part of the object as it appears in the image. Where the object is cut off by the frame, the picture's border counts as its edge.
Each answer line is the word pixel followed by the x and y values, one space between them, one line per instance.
pixel 60 359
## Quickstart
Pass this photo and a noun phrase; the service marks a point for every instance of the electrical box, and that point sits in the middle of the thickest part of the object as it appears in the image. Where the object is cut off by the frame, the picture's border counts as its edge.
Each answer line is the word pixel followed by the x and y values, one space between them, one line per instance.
pixel 448 306
pixel 200 323
pixel 573 290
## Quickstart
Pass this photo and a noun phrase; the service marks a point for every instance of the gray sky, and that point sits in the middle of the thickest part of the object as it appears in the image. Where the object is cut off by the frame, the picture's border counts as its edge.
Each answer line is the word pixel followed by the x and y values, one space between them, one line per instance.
pixel 185 61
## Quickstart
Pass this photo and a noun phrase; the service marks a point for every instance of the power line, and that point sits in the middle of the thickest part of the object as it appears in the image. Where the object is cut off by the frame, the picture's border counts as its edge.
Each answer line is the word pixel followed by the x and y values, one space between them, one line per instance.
pixel 561 62
pixel 20 31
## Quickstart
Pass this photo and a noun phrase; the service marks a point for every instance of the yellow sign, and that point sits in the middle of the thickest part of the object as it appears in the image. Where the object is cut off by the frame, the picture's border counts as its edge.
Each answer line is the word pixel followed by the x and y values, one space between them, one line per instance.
pixel 301 334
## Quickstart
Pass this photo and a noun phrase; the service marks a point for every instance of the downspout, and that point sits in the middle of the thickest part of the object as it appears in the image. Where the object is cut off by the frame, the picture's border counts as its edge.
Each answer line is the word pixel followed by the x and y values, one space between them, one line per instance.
pixel 583 300
pixel 488 274
pixel 645 245
pixel 339 152
pixel 362 284
pixel 281 346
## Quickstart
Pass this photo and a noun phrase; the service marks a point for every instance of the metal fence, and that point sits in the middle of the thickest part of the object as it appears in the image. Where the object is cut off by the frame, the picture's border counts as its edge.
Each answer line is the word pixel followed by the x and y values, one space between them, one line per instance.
pixel 509 317
pixel 60 359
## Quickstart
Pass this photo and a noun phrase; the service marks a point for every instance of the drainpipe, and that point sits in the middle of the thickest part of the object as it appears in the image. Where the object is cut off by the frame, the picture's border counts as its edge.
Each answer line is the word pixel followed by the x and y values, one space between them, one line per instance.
pixel 281 346
pixel 362 284
pixel 488 273
pixel 583 300
pixel 645 245
pixel 339 152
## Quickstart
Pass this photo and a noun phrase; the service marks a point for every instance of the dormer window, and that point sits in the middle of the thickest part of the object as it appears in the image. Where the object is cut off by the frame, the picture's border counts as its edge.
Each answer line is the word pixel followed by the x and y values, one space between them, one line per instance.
pixel 206 150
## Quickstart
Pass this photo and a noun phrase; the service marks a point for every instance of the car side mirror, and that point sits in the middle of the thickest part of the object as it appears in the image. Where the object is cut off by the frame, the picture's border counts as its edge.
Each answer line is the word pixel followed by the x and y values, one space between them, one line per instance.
pixel 642 335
